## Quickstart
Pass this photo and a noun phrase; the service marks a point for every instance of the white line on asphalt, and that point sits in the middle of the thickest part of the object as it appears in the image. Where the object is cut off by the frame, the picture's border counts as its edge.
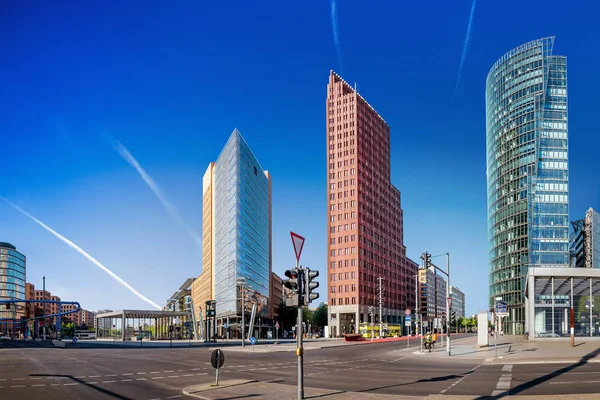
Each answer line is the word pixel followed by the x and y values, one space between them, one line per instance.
pixel 126 380
pixel 95 376
pixel 128 373
pixel 108 381
pixel 159 377
pixel 180 370
pixel 77 377
pixel 507 368
pixel 251 369
pixel 155 372
pixel 188 375
pixel 204 373
pixel 197 369
pixel 36 385
pixel 19 386
pixel 141 373
pixel 238 366
pixel 87 383
pixel 174 376
pixel 18 379
pixel 111 375
pixel 169 371
pixel 71 384
pixel 2 379
pixel 55 384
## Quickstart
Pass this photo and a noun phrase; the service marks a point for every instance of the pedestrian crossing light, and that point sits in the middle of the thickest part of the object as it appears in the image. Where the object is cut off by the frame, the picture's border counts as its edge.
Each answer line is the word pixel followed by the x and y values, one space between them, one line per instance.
pixel 311 285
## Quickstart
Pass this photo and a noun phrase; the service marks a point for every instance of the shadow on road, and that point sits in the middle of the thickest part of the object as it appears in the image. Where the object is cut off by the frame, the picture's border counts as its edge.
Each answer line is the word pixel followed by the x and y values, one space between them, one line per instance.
pixel 428 380
pixel 71 377
pixel 527 385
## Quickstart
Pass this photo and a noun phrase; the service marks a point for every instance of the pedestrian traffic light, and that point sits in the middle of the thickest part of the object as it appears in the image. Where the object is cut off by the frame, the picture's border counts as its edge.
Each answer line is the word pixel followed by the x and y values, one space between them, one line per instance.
pixel 310 285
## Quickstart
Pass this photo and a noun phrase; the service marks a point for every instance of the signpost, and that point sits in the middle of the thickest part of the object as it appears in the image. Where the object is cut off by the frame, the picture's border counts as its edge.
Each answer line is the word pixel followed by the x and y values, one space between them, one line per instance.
pixel 277 332
pixel 407 323
pixel 501 310
pixel 252 342
pixel 217 359
pixel 298 243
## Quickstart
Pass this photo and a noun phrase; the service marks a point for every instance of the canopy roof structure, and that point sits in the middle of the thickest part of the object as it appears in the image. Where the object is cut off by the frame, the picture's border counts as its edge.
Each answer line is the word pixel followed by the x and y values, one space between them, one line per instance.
pixel 143 314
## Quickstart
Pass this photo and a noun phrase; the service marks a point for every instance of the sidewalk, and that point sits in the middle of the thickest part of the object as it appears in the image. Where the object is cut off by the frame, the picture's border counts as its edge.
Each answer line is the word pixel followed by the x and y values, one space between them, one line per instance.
pixel 240 389
pixel 515 349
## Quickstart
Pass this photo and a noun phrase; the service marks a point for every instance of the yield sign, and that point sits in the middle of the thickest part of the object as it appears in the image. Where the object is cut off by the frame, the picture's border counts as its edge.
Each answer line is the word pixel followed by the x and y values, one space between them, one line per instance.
pixel 298 242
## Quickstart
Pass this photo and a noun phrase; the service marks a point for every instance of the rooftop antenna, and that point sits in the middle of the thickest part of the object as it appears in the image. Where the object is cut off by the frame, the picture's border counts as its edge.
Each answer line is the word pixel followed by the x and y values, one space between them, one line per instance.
pixel 355 87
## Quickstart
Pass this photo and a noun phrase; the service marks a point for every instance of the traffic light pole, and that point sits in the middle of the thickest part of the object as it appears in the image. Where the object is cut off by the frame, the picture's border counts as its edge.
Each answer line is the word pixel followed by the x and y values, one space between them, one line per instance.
pixel 300 349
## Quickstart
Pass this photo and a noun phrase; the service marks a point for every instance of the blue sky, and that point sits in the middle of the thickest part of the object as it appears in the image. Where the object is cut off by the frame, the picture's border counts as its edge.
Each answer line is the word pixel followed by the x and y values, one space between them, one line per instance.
pixel 172 81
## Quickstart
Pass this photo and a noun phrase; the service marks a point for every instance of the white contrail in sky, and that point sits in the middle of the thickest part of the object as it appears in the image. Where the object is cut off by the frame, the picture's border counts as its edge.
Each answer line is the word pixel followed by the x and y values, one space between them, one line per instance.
pixel 83 253
pixel 336 39
pixel 465 45
pixel 122 150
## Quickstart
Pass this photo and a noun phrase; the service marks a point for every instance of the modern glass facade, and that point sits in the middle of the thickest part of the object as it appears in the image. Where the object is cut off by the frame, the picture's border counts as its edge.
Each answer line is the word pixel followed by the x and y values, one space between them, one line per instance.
pixel 12 277
pixel 585 241
pixel 242 223
pixel 527 170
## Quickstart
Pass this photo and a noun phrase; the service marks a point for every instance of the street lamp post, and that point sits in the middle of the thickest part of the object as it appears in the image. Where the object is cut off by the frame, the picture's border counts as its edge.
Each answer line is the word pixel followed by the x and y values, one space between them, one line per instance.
pixel 44 297
pixel 447 273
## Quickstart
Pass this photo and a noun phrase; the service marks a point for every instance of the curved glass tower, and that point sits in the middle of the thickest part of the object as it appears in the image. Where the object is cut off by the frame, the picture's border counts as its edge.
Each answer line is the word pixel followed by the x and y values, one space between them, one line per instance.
pixel 527 170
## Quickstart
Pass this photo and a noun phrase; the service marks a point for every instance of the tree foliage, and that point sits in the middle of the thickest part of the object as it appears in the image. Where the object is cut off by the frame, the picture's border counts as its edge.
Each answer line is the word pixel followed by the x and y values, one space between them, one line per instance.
pixel 320 316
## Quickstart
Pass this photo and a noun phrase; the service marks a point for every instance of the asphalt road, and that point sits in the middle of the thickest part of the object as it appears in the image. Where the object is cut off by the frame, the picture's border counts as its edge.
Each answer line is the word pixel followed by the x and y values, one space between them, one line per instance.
pixel 161 373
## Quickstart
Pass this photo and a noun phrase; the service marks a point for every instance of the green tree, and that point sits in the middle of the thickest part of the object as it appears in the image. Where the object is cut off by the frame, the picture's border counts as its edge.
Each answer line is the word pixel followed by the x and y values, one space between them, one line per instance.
pixel 320 315
pixel 307 316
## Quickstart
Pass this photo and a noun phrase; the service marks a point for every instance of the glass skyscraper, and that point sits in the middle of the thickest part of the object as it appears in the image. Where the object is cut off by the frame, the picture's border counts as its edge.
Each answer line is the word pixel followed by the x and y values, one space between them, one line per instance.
pixel 527 170
pixel 241 221
pixel 12 282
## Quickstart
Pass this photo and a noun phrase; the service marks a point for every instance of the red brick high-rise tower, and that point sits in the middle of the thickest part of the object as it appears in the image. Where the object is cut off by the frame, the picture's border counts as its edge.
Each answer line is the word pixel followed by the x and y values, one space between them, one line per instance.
pixel 365 217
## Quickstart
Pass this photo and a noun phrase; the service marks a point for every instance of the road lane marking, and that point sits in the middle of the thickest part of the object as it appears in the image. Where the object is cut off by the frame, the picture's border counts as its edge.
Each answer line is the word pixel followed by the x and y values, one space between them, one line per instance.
pixel 18 379
pixel 141 379
pixel 128 373
pixel 36 385
pixel 196 369
pixel 174 376
pixel 205 373
pixel 155 372
pixel 507 368
pixel 55 384
pixel 159 377
pixel 71 384
pixel 180 370
pixel 126 380
pixel 188 375
pixel 17 386
pixel 141 373
pixel 35 379
pixel 77 377
pixel 87 383
pixel 111 375
pixel 95 376
pixel 108 381
pixel 169 371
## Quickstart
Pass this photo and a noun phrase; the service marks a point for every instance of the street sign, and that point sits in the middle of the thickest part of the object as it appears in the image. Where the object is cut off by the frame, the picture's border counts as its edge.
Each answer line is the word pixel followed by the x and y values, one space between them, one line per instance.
pixel 449 302
pixel 276 325
pixel 407 311
pixel 217 359
pixel 253 340
pixel 407 322
pixel 226 326
pixel 501 309
pixel 292 301
pixel 298 242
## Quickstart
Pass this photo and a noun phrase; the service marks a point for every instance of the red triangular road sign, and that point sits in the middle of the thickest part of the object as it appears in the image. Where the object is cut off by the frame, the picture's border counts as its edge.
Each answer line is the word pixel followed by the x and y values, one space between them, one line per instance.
pixel 298 242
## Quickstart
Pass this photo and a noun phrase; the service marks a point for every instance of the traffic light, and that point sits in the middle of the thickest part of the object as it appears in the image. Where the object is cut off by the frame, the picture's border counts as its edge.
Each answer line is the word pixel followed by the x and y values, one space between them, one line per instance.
pixel 294 281
pixel 453 316
pixel 427 260
pixel 309 276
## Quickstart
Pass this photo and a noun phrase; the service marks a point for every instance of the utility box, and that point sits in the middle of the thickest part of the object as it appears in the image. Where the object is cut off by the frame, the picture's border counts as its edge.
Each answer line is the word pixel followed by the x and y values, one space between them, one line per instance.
pixel 483 338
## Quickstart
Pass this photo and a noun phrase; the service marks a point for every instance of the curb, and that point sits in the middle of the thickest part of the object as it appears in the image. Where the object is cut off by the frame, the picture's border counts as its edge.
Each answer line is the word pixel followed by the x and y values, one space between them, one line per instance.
pixel 206 387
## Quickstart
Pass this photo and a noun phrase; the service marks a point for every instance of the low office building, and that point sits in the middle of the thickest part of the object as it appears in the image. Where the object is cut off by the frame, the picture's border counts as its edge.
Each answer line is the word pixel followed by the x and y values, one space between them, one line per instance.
pixel 458 302
pixel 432 289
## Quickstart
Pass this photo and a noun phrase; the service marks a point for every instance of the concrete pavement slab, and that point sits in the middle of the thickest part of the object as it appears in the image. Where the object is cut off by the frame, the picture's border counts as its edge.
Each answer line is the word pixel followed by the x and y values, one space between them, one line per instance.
pixel 517 397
